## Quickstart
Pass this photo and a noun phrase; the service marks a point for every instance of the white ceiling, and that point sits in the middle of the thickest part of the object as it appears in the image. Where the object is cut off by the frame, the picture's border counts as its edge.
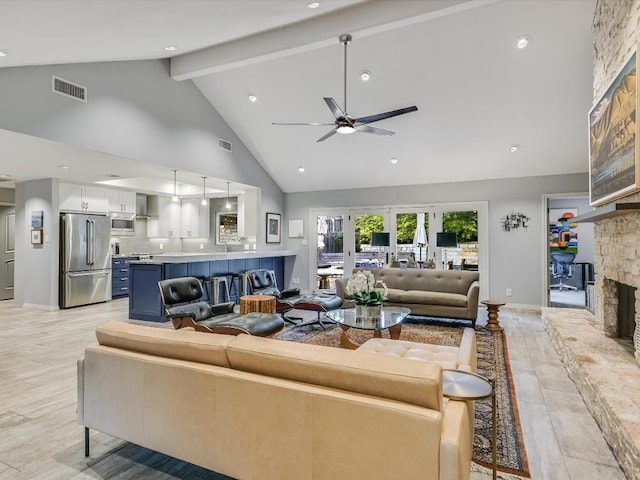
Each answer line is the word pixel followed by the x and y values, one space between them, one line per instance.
pixel 454 59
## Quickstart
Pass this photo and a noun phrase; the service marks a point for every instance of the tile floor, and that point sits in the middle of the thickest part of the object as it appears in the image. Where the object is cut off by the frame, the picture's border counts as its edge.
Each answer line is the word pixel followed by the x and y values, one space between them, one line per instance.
pixel 40 439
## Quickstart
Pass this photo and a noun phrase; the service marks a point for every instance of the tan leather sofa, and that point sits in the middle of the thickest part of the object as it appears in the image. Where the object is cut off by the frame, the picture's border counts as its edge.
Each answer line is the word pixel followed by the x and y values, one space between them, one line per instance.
pixel 258 408
pixel 432 293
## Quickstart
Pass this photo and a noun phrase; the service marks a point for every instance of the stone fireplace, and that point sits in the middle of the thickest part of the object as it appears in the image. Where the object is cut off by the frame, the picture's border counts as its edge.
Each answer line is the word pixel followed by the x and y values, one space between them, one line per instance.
pixel 617 276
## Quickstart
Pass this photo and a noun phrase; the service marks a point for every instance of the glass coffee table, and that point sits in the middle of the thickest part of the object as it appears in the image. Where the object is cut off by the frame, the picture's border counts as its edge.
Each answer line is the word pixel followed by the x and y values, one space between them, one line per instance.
pixel 390 319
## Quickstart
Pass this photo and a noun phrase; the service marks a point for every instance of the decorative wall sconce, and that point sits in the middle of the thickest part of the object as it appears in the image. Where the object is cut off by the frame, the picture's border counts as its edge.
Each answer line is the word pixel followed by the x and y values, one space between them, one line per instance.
pixel 514 220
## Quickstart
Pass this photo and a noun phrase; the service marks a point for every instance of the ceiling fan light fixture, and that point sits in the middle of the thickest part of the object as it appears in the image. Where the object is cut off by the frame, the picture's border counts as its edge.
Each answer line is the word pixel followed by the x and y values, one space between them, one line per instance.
pixel 345 130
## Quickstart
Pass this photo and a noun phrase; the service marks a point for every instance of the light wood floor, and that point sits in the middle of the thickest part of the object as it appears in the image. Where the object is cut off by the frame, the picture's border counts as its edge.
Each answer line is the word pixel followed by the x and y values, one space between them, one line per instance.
pixel 40 439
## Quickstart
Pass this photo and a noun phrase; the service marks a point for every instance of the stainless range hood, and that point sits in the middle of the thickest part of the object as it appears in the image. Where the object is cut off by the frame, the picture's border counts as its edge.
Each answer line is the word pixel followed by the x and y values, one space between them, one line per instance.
pixel 142 210
pixel 146 205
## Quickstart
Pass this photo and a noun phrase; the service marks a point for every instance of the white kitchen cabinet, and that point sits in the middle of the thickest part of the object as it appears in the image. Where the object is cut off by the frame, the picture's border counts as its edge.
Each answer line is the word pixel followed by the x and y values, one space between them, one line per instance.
pixel 194 219
pixel 167 223
pixel 83 198
pixel 248 213
pixel 122 201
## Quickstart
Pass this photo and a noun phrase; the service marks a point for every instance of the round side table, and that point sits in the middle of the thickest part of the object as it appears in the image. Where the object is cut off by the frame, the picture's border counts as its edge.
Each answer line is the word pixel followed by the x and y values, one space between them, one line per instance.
pixel 464 386
pixel 492 308
pixel 258 303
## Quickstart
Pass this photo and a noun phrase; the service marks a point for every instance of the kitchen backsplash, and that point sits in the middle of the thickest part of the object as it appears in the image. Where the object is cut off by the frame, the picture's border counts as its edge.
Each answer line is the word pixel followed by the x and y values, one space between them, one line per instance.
pixel 141 244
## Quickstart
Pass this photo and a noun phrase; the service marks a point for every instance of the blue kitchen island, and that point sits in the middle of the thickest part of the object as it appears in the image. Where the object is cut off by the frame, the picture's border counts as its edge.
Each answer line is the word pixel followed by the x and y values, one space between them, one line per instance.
pixel 144 295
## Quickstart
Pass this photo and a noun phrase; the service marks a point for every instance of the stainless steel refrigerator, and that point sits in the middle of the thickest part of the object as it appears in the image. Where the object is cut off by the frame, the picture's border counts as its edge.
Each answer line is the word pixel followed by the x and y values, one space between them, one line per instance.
pixel 85 259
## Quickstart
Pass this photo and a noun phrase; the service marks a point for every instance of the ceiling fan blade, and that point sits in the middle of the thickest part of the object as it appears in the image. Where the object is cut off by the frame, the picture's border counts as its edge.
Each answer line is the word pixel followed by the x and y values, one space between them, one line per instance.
pixel 302 123
pixel 335 109
pixel 324 137
pixel 377 131
pixel 382 116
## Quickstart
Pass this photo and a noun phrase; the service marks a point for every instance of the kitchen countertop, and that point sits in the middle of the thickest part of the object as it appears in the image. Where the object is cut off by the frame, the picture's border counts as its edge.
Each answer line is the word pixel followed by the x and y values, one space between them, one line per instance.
pixel 207 257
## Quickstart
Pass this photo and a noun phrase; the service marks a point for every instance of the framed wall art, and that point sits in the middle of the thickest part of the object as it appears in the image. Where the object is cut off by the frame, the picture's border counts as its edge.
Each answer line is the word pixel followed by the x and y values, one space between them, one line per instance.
pixel 273 228
pixel 296 229
pixel 36 236
pixel 563 231
pixel 614 165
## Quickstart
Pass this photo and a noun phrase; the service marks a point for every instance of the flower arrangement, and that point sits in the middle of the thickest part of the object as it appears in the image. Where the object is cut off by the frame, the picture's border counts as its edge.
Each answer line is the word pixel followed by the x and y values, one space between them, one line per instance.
pixel 364 289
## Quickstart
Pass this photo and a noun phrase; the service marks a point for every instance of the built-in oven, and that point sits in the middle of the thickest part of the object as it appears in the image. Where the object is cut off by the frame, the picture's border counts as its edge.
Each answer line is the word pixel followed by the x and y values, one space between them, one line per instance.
pixel 123 225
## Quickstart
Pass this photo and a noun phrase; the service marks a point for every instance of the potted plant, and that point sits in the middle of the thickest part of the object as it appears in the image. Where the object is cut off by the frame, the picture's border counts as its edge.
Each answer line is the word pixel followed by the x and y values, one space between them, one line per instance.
pixel 367 294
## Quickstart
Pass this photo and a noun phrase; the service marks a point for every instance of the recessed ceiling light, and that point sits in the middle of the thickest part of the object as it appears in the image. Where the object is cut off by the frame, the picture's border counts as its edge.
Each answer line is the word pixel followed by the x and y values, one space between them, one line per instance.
pixel 170 48
pixel 64 167
pixel 313 4
pixel 365 75
pixel 394 160
pixel 3 53
pixel 523 41
pixel 301 169
pixel 514 148
pixel 252 97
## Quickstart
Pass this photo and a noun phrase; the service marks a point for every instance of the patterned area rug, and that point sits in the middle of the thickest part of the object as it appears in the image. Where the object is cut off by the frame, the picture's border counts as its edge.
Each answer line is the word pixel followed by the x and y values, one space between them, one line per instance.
pixel 493 361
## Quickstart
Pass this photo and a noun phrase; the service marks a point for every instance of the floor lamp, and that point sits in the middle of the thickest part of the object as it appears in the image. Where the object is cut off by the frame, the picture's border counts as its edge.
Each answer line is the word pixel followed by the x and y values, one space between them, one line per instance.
pixel 381 239
pixel 446 239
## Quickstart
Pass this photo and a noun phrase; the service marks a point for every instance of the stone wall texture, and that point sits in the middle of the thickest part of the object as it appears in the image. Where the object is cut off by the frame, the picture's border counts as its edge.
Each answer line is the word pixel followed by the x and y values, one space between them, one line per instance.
pixel 616 33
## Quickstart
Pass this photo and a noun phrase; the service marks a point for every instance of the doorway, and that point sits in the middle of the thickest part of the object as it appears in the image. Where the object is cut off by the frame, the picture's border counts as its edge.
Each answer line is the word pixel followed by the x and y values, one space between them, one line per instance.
pixel 7 251
pixel 569 252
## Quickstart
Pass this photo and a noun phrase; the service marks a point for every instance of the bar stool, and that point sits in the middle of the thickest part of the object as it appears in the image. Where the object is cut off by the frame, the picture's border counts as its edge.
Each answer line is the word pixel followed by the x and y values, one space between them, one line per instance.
pixel 216 283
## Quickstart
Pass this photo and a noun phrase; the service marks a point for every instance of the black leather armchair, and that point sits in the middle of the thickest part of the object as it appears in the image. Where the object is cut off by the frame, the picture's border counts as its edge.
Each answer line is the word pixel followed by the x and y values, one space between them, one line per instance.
pixel 182 298
pixel 263 282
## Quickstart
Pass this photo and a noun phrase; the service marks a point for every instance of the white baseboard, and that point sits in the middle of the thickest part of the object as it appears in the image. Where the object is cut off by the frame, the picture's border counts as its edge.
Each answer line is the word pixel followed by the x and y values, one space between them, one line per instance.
pixel 35 306
pixel 523 307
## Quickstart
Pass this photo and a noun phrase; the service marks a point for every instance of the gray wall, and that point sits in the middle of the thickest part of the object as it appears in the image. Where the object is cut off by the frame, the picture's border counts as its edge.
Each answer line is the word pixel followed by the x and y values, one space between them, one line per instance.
pixel 36 273
pixel 135 110
pixel 7 195
pixel 515 258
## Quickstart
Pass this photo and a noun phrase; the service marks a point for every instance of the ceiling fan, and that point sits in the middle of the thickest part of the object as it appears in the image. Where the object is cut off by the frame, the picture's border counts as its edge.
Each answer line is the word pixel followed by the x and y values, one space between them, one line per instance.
pixel 345 123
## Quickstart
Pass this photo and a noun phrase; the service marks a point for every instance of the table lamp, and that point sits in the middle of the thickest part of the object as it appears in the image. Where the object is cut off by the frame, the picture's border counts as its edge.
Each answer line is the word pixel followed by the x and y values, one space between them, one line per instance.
pixel 381 239
pixel 446 239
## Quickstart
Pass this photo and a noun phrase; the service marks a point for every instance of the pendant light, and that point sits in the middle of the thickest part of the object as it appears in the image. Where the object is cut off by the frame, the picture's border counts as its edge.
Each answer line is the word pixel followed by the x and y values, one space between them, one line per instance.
pixel 228 205
pixel 175 188
pixel 204 188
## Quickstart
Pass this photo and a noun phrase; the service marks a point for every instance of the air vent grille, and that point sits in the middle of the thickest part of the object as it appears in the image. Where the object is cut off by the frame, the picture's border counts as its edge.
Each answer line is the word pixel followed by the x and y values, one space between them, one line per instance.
pixel 68 89
pixel 224 144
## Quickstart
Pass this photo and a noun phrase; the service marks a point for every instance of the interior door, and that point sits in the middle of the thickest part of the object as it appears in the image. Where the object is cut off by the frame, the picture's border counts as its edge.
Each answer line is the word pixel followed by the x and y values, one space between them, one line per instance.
pixel 7 251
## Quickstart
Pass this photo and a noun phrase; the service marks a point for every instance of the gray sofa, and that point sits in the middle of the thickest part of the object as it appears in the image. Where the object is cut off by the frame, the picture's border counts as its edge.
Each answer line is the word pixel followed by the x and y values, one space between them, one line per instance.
pixel 433 293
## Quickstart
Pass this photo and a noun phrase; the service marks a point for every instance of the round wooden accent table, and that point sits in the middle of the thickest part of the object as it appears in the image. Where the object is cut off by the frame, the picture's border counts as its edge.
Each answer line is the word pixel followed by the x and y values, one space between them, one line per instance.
pixel 492 307
pixel 258 303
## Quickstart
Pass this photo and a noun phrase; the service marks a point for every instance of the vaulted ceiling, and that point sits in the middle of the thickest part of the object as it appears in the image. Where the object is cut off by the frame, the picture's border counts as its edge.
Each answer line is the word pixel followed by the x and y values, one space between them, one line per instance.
pixel 476 93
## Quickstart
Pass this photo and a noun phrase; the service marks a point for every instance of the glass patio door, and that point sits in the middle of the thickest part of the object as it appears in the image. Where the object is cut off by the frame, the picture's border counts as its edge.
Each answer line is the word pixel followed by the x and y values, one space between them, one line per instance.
pixel 330 257
pixel 371 239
